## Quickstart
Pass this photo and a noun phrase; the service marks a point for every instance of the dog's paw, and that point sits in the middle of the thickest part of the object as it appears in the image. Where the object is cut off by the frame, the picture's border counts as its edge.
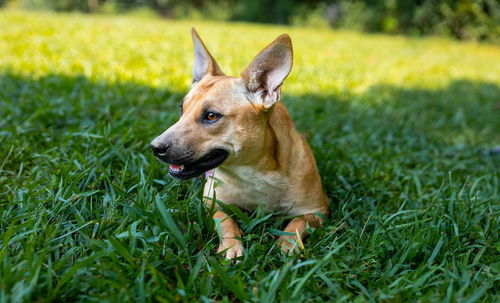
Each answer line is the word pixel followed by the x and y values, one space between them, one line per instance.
pixel 231 248
pixel 289 244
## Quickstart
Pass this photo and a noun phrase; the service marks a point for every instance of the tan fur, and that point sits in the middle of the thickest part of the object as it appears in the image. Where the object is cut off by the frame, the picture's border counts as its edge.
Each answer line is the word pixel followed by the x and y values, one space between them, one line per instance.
pixel 283 177
pixel 269 162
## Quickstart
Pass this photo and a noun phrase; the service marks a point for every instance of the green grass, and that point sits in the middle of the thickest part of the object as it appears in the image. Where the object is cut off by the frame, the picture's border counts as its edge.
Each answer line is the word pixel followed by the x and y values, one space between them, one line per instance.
pixel 401 128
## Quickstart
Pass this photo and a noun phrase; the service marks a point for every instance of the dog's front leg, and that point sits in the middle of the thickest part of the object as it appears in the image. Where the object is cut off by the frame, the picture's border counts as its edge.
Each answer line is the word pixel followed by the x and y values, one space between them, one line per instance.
pixel 297 227
pixel 230 231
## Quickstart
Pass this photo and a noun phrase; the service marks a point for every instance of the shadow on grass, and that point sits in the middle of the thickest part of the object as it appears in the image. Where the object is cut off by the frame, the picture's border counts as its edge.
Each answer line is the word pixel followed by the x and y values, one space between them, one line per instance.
pixel 75 161
pixel 354 137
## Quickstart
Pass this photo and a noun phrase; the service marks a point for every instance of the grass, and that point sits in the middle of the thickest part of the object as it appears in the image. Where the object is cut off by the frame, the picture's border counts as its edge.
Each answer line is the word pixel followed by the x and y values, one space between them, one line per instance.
pixel 402 130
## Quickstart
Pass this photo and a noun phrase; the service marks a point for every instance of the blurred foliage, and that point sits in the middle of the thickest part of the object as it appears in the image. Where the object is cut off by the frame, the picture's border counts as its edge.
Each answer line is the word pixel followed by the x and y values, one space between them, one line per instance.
pixel 462 19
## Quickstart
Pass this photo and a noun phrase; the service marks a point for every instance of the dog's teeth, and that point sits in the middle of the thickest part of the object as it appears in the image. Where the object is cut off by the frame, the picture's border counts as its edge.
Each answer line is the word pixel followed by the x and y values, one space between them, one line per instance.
pixel 176 168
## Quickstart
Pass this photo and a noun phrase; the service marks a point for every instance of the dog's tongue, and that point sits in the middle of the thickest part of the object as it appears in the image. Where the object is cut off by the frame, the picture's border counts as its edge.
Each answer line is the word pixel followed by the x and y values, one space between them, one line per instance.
pixel 175 167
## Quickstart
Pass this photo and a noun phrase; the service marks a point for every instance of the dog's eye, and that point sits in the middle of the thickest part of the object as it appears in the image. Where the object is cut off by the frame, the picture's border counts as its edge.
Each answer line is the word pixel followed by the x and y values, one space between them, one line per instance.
pixel 212 116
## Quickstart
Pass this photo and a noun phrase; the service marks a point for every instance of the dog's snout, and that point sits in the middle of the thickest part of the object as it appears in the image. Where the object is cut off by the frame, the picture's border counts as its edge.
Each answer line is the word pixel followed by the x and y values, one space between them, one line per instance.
pixel 159 148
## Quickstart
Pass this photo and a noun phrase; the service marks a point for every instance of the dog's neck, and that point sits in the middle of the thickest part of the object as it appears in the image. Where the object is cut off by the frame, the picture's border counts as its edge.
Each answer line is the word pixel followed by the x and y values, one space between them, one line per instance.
pixel 277 146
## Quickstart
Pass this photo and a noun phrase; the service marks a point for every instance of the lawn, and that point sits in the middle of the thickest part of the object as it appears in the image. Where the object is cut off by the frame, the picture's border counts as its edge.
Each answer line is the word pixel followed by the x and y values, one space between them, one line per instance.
pixel 402 130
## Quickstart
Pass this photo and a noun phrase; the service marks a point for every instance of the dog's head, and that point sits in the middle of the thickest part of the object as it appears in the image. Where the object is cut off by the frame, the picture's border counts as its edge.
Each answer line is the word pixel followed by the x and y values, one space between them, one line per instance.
pixel 224 119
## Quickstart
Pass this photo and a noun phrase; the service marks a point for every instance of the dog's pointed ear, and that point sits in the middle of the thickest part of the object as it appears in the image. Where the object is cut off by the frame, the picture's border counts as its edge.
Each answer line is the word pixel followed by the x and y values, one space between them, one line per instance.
pixel 204 63
pixel 266 73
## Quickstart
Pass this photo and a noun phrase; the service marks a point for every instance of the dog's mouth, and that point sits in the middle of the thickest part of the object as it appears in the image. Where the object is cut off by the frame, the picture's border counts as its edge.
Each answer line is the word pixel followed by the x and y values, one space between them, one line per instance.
pixel 193 169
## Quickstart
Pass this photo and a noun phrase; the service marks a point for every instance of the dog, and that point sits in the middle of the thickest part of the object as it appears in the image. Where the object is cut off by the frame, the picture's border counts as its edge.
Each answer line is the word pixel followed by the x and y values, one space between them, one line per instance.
pixel 234 130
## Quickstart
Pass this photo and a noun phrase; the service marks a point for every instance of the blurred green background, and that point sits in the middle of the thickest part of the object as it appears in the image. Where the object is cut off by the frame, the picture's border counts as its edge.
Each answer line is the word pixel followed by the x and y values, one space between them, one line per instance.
pixel 461 19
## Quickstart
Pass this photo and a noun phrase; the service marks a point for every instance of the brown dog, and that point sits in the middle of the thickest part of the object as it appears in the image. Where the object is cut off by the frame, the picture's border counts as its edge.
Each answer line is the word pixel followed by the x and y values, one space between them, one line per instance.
pixel 235 129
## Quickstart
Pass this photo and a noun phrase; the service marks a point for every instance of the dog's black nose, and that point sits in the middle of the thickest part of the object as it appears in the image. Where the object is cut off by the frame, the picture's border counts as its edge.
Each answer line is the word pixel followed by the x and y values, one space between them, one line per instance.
pixel 159 148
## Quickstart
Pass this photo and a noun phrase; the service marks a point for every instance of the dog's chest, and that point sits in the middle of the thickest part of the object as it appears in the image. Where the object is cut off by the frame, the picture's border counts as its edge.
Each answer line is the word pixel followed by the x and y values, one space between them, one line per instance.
pixel 248 189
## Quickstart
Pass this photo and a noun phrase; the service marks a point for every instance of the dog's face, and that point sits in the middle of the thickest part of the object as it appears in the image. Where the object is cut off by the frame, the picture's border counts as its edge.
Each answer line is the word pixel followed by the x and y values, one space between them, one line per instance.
pixel 217 124
pixel 223 119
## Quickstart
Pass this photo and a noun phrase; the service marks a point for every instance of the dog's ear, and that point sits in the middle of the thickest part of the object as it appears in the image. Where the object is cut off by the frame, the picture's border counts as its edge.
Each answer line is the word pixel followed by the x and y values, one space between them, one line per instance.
pixel 204 63
pixel 266 73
